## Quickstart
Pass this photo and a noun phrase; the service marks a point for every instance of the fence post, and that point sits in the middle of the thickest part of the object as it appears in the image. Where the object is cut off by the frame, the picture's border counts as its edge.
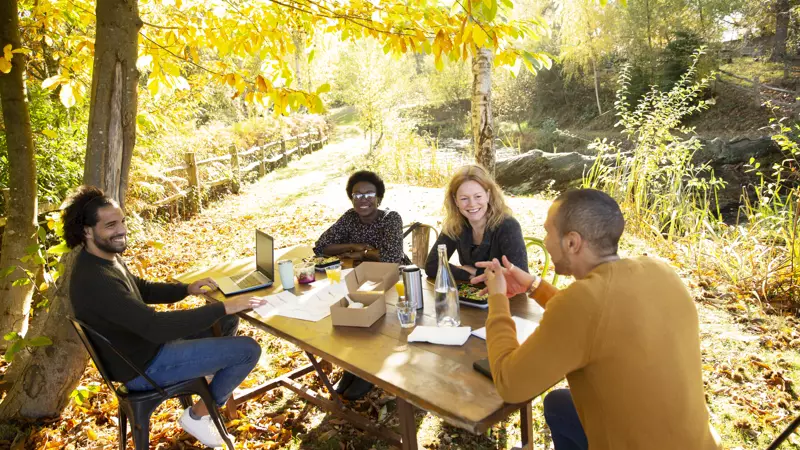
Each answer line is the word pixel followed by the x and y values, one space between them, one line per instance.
pixel 262 164
pixel 281 162
pixel 235 184
pixel 757 90
pixel 193 176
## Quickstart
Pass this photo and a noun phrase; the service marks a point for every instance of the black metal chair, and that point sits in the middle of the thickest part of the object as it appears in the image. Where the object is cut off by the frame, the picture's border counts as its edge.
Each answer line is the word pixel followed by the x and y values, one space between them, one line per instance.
pixel 137 406
pixel 785 435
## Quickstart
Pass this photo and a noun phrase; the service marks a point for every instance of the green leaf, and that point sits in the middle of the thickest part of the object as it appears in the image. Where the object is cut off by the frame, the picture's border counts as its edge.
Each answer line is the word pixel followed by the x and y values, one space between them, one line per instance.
pixel 323 89
pixel 10 336
pixel 58 249
pixel 39 341
pixel 42 234
pixel 12 350
pixel 32 249
pixel 21 282
pixel 7 271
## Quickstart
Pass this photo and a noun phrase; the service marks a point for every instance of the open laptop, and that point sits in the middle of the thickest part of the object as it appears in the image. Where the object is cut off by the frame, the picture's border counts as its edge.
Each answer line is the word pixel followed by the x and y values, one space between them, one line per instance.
pixel 261 277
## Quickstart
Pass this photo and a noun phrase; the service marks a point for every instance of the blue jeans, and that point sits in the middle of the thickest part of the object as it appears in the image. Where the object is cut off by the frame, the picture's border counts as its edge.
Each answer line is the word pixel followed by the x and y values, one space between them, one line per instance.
pixel 228 358
pixel 563 421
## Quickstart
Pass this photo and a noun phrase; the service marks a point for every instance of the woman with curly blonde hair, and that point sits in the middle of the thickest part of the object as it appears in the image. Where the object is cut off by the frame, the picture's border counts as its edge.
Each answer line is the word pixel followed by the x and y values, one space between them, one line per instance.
pixel 477 224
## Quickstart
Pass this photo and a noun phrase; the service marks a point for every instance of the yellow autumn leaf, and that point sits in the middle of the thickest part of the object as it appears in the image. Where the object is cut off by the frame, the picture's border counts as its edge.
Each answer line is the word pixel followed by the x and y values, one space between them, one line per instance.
pixel 52 82
pixel 5 65
pixel 479 36
pixel 91 434
pixel 7 52
pixel 49 133
pixel 67 95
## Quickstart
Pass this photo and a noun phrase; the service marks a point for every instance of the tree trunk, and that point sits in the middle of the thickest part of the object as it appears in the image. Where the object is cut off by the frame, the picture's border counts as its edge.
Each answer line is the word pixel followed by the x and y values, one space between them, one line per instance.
pixel 112 114
pixel 782 13
pixel 43 377
pixel 297 40
pixel 20 230
pixel 482 131
pixel 596 87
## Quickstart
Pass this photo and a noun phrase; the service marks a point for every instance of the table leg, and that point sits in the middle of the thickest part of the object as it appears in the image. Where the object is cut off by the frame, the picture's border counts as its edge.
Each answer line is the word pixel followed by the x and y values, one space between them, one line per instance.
pixel 526 425
pixel 408 426
pixel 325 379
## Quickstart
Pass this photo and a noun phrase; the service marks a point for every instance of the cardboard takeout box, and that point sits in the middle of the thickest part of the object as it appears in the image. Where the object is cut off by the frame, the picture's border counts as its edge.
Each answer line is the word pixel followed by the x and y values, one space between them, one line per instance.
pixel 379 278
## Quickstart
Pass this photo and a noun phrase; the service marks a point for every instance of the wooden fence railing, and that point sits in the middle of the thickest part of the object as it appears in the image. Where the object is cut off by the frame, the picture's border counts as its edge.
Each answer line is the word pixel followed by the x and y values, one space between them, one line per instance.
pixel 263 159
pixel 755 87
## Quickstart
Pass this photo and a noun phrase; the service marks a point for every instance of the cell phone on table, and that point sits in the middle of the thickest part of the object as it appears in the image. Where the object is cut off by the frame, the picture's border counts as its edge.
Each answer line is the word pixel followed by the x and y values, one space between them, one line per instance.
pixel 482 366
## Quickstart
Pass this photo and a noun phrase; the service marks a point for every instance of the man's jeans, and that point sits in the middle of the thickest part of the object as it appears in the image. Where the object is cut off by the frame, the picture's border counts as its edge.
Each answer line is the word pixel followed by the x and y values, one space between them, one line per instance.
pixel 228 358
pixel 563 421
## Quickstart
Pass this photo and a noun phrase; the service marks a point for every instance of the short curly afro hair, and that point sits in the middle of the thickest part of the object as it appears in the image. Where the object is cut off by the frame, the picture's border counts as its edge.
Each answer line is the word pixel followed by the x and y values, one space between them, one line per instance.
pixel 81 211
pixel 369 177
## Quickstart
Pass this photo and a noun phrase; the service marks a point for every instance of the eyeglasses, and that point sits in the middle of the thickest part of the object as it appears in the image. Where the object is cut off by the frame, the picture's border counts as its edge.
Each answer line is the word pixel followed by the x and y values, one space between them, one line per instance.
pixel 365 196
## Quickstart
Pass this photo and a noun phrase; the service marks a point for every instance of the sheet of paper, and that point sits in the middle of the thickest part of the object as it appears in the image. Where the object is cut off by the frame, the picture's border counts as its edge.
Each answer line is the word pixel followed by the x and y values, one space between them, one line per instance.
pixel 313 305
pixel 369 285
pixel 525 328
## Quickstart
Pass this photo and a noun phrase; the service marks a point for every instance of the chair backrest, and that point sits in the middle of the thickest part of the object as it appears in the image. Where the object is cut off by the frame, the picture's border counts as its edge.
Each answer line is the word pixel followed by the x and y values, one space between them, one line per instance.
pixel 82 329
pixel 537 242
pixel 785 435
pixel 420 235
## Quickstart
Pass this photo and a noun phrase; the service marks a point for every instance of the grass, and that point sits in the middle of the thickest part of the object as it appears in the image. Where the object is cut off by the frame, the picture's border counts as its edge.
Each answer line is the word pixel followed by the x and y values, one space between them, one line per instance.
pixel 747 67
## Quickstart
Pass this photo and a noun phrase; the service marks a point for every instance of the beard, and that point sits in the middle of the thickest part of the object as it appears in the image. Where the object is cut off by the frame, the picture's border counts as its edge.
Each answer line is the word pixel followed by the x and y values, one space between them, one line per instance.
pixel 109 246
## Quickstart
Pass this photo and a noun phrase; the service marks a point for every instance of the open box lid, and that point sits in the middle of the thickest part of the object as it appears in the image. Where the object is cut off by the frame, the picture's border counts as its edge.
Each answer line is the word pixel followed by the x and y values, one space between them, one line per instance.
pixel 381 277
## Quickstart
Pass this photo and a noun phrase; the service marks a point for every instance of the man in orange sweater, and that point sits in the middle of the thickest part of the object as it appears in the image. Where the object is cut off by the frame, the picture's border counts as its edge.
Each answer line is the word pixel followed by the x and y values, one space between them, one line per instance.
pixel 625 334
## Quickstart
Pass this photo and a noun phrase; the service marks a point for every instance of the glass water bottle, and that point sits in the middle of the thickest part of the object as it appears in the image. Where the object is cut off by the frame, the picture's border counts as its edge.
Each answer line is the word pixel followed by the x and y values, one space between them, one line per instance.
pixel 446 293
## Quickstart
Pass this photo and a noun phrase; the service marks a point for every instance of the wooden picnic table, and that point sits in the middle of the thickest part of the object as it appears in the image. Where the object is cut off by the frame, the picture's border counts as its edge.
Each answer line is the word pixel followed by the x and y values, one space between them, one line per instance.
pixel 436 378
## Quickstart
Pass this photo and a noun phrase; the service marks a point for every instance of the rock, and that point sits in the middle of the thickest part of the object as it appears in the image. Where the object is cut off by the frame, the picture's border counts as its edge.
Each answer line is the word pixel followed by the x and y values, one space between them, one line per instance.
pixel 535 171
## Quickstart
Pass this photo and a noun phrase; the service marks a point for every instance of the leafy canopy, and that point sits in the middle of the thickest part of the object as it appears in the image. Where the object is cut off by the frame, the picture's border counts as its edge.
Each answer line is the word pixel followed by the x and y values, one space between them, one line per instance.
pixel 184 44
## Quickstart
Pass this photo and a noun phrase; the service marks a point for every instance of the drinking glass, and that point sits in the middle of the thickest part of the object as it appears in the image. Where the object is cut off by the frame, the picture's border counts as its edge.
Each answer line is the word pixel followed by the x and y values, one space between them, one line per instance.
pixel 407 314
pixel 401 288
pixel 334 274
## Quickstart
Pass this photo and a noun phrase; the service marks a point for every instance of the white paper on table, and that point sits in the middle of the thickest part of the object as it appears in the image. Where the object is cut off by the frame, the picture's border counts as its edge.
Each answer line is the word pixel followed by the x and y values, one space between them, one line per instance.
pixel 369 285
pixel 525 328
pixel 274 303
pixel 313 305
pixel 440 335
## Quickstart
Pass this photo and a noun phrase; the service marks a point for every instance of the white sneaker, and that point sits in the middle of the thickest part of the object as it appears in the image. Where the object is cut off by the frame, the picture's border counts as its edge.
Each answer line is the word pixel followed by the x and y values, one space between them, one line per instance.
pixel 202 429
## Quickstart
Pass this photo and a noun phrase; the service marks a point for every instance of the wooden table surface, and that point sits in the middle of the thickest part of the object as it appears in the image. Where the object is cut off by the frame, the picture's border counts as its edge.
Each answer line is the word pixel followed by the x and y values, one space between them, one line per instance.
pixel 436 378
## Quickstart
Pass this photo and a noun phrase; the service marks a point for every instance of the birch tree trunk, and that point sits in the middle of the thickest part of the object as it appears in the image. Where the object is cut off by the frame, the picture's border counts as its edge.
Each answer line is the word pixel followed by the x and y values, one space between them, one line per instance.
pixel 482 130
pixel 20 229
pixel 596 86
pixel 112 113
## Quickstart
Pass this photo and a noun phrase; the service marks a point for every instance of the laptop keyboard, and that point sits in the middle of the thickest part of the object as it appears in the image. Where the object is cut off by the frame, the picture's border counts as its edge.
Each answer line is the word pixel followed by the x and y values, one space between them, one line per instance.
pixel 251 280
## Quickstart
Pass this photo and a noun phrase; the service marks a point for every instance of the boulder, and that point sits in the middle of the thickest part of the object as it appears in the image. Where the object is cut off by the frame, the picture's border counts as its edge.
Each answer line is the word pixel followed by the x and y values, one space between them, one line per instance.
pixel 535 171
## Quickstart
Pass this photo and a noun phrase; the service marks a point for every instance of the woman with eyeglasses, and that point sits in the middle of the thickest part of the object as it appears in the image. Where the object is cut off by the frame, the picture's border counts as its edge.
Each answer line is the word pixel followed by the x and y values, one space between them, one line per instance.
pixel 477 225
pixel 364 232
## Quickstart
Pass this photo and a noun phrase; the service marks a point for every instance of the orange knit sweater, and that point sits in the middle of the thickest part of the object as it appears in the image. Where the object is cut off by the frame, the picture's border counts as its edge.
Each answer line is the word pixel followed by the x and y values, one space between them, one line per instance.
pixel 627 339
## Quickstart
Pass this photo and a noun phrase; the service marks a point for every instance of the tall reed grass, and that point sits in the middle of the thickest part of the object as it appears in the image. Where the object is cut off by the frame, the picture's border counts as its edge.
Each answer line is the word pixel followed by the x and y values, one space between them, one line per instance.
pixel 673 202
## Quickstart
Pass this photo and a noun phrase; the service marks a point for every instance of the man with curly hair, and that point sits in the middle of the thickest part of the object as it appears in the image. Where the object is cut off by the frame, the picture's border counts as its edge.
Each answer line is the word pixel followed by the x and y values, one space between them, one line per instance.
pixel 168 346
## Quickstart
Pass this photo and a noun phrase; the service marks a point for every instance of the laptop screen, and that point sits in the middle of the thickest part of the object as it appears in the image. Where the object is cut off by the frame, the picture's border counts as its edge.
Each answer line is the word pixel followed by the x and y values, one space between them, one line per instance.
pixel 265 262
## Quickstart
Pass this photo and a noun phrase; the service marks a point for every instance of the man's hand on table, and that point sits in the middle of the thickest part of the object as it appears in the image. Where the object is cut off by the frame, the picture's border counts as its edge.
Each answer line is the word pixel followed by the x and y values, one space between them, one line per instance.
pixel 514 280
pixel 240 304
pixel 200 287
